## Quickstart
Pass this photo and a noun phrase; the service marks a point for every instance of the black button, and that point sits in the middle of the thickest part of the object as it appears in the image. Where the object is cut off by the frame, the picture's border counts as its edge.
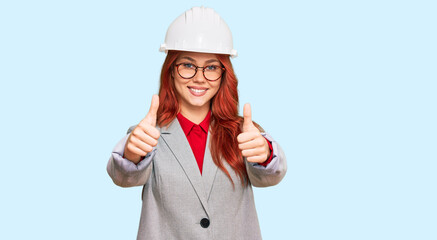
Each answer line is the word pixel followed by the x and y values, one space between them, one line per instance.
pixel 204 222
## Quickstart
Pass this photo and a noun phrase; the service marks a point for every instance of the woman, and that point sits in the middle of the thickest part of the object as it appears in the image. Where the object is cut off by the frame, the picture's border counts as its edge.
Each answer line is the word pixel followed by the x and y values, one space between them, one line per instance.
pixel 195 157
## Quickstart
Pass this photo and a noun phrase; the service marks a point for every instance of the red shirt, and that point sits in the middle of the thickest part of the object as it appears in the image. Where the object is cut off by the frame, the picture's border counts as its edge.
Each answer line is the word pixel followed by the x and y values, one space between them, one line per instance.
pixel 197 135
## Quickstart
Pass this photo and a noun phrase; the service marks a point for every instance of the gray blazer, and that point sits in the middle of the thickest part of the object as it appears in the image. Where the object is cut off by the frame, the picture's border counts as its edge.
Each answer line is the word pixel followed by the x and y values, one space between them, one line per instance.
pixel 180 203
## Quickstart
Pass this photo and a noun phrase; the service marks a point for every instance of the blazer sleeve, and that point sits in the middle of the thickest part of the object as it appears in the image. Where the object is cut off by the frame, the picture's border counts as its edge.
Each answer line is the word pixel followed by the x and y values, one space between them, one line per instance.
pixel 125 173
pixel 271 174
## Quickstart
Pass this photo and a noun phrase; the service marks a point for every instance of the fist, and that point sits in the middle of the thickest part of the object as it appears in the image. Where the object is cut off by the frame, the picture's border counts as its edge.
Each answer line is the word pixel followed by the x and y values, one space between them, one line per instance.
pixel 145 135
pixel 252 144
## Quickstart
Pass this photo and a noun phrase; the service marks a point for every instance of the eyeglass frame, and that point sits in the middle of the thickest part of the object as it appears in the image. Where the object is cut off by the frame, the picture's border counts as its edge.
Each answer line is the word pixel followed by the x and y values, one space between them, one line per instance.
pixel 195 71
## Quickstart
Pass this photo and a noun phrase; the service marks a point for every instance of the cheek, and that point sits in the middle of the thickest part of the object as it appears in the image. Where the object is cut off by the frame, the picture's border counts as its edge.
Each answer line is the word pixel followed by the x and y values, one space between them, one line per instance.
pixel 216 88
pixel 179 85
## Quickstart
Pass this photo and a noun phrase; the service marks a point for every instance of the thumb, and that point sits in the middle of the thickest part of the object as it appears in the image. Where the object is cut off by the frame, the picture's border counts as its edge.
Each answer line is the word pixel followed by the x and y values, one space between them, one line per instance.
pixel 247 117
pixel 152 114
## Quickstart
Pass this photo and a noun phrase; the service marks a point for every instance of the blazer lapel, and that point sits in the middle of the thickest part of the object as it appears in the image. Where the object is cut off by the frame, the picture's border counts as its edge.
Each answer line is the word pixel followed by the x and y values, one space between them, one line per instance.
pixel 209 169
pixel 176 140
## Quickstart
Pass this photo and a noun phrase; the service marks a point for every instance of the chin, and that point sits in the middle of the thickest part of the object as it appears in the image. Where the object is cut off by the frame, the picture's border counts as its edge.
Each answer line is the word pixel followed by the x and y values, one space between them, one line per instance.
pixel 198 104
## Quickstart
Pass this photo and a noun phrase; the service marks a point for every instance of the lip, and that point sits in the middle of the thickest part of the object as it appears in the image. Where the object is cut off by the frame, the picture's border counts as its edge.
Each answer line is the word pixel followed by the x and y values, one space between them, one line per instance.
pixel 197 91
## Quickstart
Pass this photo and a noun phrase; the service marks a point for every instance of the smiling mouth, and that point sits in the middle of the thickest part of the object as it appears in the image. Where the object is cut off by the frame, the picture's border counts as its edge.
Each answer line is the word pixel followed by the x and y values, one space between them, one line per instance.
pixel 197 91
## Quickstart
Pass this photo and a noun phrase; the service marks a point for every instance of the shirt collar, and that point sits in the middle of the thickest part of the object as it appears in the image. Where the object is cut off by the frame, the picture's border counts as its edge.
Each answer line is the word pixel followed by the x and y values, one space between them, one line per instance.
pixel 187 125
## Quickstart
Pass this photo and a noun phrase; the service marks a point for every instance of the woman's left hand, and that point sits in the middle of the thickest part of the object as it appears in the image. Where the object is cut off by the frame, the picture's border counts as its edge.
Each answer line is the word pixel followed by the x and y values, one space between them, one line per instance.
pixel 252 144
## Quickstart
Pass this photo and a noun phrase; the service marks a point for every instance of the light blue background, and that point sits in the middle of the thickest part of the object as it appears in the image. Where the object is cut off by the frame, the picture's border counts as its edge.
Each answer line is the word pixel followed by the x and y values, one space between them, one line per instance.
pixel 348 88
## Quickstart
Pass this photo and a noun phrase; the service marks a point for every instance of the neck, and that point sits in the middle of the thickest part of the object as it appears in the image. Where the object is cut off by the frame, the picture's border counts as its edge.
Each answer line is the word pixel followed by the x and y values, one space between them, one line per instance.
pixel 195 115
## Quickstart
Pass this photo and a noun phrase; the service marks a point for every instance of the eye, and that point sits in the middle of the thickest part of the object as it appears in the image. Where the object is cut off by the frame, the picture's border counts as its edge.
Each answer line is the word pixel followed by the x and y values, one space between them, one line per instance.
pixel 212 67
pixel 188 65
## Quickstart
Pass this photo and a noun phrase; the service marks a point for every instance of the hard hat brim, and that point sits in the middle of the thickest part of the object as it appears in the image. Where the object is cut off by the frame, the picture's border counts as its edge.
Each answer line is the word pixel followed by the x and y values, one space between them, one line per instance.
pixel 233 53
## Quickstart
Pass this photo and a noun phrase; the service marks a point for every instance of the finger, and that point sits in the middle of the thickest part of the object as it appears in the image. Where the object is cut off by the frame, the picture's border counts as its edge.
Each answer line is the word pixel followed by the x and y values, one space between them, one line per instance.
pixel 247 136
pixel 152 114
pixel 247 113
pixel 255 143
pixel 151 131
pixel 135 150
pixel 143 129
pixel 252 152
pixel 256 159
pixel 145 138
pixel 247 117
pixel 144 146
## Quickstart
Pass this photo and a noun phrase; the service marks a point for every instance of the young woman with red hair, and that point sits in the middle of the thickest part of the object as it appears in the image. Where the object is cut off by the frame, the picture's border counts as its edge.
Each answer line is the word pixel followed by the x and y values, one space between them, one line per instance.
pixel 195 157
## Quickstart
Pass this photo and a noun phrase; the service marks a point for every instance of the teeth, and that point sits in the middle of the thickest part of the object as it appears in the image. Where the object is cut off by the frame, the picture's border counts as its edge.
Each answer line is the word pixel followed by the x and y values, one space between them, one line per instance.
pixel 197 90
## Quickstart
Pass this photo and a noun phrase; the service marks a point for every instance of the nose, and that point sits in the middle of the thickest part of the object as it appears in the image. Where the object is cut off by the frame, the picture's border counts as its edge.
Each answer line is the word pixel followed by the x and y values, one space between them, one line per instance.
pixel 198 77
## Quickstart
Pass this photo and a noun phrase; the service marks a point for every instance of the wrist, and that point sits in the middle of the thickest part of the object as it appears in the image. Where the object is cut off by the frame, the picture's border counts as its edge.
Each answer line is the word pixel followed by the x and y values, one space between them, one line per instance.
pixel 131 156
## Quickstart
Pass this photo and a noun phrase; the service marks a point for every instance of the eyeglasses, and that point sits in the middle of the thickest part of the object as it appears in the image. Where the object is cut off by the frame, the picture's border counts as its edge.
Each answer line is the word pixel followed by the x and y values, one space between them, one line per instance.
pixel 210 72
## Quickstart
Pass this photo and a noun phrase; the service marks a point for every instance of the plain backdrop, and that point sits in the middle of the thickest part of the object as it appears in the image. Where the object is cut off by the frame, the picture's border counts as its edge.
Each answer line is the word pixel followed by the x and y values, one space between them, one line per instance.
pixel 348 88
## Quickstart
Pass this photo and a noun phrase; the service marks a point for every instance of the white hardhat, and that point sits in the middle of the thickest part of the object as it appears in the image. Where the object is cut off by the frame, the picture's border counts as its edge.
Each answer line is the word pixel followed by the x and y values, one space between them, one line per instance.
pixel 199 29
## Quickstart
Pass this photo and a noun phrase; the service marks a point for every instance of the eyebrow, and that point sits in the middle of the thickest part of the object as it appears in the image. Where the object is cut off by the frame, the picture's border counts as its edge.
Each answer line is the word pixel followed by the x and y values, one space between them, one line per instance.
pixel 208 61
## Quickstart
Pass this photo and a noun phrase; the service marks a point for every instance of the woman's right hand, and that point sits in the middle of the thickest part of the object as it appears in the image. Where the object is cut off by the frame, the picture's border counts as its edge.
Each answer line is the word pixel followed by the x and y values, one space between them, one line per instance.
pixel 145 135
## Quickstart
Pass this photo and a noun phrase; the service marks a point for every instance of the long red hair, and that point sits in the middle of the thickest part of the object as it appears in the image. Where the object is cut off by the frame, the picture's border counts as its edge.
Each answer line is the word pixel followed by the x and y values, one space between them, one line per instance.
pixel 225 121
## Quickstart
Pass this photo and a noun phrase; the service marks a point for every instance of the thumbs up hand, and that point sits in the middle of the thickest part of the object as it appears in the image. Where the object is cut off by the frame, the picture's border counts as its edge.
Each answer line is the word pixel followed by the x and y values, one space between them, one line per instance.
pixel 252 144
pixel 145 136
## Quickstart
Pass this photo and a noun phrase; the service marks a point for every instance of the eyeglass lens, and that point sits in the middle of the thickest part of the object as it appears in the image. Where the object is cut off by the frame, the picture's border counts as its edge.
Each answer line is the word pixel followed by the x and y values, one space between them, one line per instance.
pixel 210 72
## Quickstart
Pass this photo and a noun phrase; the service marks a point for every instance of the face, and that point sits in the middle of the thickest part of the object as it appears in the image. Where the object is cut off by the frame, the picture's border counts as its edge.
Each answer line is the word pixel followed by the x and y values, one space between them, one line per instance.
pixel 195 93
